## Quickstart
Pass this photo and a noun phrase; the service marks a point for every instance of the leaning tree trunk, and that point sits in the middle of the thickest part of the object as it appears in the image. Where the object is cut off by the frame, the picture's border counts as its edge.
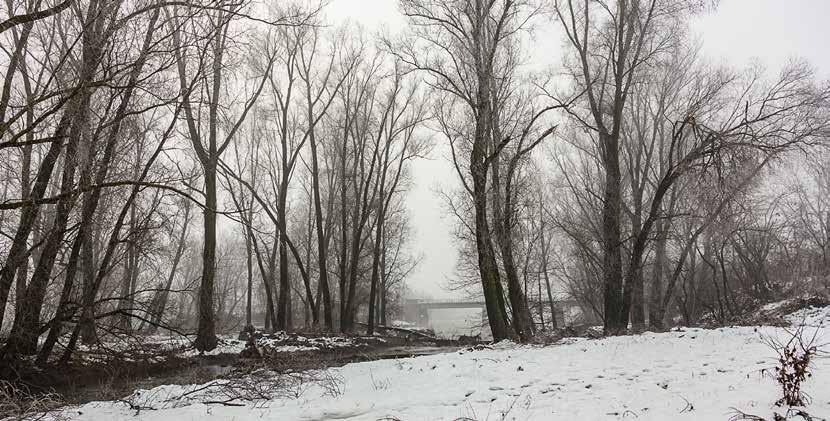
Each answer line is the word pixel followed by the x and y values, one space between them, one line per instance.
pixel 487 266
pixel 89 294
pixel 26 327
pixel 522 320
pixel 164 294
pixel 18 253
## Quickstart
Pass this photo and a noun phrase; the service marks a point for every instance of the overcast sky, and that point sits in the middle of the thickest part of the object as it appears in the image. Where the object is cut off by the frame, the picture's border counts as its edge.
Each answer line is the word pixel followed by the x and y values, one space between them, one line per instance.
pixel 740 31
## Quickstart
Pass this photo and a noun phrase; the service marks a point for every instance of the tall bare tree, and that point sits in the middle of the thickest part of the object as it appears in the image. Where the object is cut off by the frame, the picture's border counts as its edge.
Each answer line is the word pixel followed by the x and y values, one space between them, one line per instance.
pixel 210 137
pixel 464 50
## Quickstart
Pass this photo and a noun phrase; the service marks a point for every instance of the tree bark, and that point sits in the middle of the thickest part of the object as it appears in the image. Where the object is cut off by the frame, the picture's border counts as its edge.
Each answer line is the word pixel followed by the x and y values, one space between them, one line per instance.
pixel 616 321
pixel 206 339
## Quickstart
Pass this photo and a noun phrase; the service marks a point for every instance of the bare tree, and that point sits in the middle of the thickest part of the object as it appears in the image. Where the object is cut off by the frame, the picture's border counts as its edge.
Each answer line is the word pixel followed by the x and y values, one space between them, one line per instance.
pixel 334 72
pixel 403 111
pixel 610 45
pixel 464 50
pixel 209 144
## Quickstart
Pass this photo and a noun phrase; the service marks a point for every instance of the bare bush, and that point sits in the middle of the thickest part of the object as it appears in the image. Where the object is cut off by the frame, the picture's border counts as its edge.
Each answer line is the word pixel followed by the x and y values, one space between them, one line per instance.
pixel 794 357
pixel 255 388
pixel 19 403
pixel 793 367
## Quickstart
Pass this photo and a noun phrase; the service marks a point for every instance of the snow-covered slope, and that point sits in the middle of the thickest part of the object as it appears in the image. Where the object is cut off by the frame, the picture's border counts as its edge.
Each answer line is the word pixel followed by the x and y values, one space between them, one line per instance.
pixel 681 375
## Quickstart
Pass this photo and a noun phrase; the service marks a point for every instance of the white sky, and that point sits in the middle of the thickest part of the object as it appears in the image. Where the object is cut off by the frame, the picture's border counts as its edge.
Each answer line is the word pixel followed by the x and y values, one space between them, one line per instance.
pixel 770 31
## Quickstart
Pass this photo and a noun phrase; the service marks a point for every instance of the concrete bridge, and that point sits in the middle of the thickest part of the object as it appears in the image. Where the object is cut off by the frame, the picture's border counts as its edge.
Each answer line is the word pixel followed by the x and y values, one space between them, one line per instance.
pixel 568 312
pixel 417 311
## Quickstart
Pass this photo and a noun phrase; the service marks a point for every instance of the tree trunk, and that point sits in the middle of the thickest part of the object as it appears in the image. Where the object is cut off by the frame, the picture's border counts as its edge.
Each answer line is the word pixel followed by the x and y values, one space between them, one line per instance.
pixel 18 253
pixel 521 318
pixel 26 327
pixel 655 319
pixel 541 308
pixel 88 299
pixel 314 301
pixel 284 307
pixel 616 319
pixel 125 301
pixel 164 294
pixel 250 272
pixel 87 321
pixel 634 283
pixel 322 251
pixel 206 332
pixel 384 290
pixel 376 252
pixel 488 268
pixel 266 274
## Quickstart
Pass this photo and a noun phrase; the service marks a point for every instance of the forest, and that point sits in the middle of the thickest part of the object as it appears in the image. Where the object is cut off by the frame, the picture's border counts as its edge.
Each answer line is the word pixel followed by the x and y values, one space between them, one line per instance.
pixel 204 167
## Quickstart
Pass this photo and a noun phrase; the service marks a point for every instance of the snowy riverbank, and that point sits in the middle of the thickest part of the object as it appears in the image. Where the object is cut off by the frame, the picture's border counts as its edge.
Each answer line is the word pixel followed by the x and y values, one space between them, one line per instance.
pixel 690 374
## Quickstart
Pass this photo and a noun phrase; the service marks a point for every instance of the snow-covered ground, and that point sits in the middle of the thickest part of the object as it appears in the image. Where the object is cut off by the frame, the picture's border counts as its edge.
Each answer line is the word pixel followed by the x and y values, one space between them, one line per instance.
pixel 157 347
pixel 690 374
pixel 281 342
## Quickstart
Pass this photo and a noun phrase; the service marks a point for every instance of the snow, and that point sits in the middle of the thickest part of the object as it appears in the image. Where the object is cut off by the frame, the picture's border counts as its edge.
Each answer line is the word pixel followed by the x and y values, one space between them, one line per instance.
pixel 225 346
pixel 281 342
pixel 815 317
pixel 688 374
